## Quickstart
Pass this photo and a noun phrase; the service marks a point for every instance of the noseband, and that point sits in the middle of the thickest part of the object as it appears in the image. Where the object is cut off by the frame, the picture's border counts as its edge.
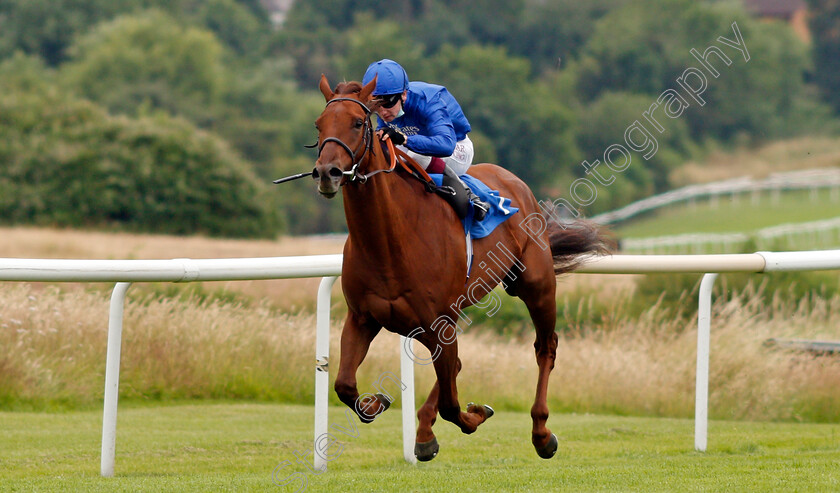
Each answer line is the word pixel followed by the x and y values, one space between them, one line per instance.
pixel 367 144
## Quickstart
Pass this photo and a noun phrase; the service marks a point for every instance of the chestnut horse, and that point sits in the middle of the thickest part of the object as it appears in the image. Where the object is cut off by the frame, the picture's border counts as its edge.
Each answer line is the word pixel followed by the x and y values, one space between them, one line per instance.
pixel 405 266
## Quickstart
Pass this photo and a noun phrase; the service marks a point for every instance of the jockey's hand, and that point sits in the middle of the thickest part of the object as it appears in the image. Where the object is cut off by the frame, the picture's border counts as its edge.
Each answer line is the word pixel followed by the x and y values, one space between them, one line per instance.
pixel 397 137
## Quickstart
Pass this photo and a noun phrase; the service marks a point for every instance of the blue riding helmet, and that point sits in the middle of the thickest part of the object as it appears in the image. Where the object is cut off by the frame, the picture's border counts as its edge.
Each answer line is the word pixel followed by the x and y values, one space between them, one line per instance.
pixel 391 77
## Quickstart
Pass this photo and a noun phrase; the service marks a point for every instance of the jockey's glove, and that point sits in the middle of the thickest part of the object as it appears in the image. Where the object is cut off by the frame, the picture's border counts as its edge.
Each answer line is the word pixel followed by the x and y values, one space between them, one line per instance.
pixel 397 137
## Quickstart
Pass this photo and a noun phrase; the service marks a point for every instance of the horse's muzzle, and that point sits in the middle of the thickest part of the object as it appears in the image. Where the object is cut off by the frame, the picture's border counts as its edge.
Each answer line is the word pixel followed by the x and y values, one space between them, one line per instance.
pixel 329 179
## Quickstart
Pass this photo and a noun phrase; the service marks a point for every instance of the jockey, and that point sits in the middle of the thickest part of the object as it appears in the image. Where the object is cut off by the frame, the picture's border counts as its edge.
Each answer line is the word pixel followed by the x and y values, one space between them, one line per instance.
pixel 426 122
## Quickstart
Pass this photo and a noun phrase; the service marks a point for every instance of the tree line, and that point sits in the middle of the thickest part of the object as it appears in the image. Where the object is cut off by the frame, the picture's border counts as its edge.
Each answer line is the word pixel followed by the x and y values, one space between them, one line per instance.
pixel 173 116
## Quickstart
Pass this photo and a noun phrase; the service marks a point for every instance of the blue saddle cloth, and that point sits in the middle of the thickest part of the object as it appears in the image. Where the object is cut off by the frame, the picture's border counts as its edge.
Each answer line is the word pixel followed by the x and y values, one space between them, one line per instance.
pixel 500 208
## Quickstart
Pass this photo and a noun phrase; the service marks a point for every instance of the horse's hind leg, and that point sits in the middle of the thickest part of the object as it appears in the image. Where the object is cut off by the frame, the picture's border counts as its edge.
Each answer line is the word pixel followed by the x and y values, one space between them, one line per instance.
pixel 537 288
pixel 355 342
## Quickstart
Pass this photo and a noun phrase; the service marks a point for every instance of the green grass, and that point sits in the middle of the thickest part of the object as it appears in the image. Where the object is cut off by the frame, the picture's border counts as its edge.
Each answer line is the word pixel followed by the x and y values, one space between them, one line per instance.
pixel 733 216
pixel 236 446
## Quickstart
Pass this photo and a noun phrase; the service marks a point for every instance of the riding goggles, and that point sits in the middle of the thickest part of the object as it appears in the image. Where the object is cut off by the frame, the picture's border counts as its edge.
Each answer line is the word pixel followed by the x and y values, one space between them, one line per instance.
pixel 389 100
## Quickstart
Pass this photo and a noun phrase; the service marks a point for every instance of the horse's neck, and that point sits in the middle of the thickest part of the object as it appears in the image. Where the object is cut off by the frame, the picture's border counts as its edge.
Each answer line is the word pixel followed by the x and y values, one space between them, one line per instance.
pixel 384 213
pixel 378 209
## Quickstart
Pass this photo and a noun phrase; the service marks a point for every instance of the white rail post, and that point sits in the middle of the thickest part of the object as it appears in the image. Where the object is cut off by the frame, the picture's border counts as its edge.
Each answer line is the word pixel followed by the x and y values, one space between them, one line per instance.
pixel 112 379
pixel 701 402
pixel 408 409
pixel 322 367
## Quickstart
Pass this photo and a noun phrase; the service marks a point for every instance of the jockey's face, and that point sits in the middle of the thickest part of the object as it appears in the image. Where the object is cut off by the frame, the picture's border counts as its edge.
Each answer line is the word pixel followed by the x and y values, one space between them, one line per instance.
pixel 388 114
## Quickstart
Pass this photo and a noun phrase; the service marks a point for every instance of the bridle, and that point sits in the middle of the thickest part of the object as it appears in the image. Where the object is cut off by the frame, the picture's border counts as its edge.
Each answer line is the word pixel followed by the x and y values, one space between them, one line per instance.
pixel 366 146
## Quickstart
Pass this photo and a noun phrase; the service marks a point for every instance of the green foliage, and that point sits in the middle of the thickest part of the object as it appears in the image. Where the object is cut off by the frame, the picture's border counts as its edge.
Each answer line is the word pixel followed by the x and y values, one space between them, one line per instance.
pixel 677 293
pixel 495 92
pixel 824 23
pixel 439 25
pixel 604 122
pixel 509 317
pixel 631 50
pixel 577 311
pixel 369 40
pixel 310 40
pixel 241 28
pixel 221 66
pixel 66 162
pixel 265 117
pixel 47 27
pixel 148 62
pixel 489 20
pixel 550 34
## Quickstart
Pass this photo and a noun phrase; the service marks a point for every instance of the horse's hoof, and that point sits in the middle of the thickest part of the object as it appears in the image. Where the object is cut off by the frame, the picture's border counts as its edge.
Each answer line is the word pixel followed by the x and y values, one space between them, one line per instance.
pixel 386 403
pixel 488 411
pixel 426 451
pixel 550 448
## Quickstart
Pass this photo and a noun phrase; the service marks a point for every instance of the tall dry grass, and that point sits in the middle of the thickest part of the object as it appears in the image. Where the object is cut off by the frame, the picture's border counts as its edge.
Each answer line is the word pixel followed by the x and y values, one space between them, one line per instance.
pixel 54 346
pixel 647 366
pixel 54 349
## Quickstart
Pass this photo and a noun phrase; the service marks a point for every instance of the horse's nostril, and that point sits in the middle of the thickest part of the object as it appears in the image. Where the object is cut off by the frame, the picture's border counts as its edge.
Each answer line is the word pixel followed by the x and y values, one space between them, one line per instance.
pixel 336 172
pixel 315 174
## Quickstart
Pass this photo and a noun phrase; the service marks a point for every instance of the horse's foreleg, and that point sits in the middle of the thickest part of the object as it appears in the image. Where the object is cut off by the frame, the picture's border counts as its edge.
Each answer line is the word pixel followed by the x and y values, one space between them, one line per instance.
pixel 447 366
pixel 355 342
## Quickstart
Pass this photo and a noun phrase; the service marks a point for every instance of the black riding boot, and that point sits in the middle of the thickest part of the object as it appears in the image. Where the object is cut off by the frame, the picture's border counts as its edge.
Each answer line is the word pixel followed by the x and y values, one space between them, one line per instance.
pixel 480 208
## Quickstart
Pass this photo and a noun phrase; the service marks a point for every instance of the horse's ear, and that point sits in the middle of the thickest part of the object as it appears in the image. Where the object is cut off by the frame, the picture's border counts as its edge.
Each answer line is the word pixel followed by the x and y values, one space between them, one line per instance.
pixel 325 88
pixel 365 94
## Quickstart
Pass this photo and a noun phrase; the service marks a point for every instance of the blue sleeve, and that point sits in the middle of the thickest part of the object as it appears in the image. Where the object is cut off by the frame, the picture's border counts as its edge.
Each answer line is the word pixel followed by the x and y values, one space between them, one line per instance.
pixel 438 137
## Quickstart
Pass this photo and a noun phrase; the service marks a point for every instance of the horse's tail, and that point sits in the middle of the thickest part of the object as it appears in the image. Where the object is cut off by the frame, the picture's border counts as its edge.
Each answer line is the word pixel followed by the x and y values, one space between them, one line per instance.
pixel 571 241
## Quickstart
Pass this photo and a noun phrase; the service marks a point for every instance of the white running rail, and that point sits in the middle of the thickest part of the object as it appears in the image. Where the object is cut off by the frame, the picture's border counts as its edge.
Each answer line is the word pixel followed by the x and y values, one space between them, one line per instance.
pixel 124 272
pixel 812 179
pixel 821 234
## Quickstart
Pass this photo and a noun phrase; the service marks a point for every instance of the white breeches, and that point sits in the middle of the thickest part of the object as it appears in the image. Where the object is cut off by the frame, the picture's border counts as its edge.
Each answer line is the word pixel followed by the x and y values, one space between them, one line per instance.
pixel 459 161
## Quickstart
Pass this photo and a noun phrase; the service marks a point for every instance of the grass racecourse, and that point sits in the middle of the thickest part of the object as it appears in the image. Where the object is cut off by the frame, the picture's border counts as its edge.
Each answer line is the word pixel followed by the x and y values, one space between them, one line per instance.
pixel 740 214
pixel 219 446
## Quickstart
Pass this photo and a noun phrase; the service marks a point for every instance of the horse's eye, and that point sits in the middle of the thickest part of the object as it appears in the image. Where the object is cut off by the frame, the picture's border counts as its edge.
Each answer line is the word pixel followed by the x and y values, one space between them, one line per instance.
pixel 316 127
pixel 358 123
